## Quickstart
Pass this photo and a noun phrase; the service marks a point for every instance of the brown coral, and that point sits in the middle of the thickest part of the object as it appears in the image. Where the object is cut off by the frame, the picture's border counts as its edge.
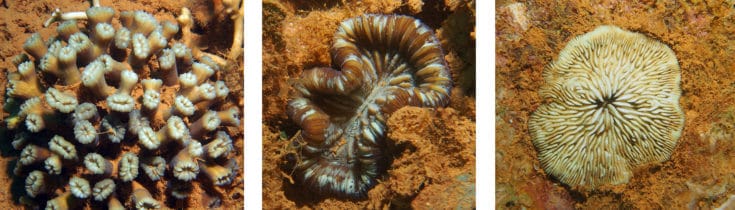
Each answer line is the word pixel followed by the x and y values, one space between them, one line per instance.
pixel 85 94
pixel 385 62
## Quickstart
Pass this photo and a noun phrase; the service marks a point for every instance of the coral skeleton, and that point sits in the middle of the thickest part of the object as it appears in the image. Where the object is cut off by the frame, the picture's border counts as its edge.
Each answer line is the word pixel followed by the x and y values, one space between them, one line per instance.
pixel 180 189
pixel 143 199
pixel 218 174
pixel 32 154
pixel 103 189
pixel 19 141
pixel 101 107
pixel 85 132
pixel 24 84
pixel 114 128
pixel 97 164
pixel 220 146
pixel 63 201
pixel 184 164
pixel 85 111
pixel 61 147
pixel 115 204
pixel 613 104
pixel 53 164
pixel 154 167
pixel 36 183
pixel 80 187
pixel 128 167
pixel 152 94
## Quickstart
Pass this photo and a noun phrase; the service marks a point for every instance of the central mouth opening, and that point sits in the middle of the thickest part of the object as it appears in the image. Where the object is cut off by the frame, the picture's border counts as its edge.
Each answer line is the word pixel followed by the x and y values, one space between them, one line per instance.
pixel 602 103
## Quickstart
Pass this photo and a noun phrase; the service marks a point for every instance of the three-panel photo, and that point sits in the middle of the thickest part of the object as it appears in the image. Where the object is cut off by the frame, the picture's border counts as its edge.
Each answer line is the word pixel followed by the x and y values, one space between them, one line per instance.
pixel 376 104
pixel 112 104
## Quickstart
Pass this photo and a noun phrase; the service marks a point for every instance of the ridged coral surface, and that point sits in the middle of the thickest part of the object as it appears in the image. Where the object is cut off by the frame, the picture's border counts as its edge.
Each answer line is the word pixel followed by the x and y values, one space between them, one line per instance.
pixel 384 62
pixel 115 104
pixel 613 105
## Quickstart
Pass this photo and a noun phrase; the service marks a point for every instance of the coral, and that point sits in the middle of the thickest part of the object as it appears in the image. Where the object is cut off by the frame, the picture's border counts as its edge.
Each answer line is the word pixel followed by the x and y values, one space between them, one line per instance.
pixel 236 10
pixel 385 62
pixel 613 103
pixel 104 112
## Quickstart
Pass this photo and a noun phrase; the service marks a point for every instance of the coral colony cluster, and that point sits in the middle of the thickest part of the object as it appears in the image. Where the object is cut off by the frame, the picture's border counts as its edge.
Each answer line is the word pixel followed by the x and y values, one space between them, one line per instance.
pixel 385 62
pixel 103 113
pixel 613 104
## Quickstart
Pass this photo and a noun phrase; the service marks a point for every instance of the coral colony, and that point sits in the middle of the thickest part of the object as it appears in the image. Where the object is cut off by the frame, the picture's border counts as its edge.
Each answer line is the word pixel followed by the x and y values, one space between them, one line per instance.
pixel 385 62
pixel 101 113
pixel 613 104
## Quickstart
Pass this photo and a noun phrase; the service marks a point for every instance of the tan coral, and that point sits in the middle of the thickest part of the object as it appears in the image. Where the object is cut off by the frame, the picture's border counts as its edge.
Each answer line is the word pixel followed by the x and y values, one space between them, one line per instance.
pixel 612 104
pixel 92 95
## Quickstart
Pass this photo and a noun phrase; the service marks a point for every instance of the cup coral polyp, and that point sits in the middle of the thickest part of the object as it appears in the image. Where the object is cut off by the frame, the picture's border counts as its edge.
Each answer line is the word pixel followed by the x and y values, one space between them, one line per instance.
pixel 113 105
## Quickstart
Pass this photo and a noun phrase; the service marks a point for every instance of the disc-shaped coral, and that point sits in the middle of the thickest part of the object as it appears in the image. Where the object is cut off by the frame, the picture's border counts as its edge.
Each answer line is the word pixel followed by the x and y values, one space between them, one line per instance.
pixel 612 104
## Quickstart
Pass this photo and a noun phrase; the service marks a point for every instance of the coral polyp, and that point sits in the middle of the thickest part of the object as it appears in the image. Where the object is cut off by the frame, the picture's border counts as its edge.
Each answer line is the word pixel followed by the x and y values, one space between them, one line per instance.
pixel 114 105
pixel 384 62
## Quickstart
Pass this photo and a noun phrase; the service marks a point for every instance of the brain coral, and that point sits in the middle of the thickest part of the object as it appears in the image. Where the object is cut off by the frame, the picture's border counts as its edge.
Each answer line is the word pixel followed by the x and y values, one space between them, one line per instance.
pixel 385 62
pixel 612 104
pixel 106 115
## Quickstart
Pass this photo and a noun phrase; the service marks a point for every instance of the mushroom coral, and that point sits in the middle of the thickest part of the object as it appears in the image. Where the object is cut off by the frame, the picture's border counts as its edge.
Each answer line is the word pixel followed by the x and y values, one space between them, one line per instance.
pixel 104 108
pixel 612 104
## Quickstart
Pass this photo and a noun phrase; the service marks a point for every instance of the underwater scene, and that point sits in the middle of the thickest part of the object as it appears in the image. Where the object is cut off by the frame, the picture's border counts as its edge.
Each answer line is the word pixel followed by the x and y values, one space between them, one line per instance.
pixel 615 105
pixel 368 104
pixel 121 104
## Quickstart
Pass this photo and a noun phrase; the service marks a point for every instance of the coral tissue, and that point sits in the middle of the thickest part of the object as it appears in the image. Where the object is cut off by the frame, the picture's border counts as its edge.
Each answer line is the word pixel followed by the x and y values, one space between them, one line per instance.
pixel 384 62
pixel 613 104
pixel 102 113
